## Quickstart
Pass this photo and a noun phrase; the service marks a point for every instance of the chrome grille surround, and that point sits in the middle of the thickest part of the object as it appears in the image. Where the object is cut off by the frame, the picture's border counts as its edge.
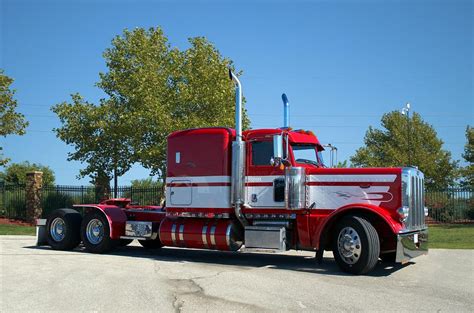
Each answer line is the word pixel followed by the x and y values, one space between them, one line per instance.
pixel 413 197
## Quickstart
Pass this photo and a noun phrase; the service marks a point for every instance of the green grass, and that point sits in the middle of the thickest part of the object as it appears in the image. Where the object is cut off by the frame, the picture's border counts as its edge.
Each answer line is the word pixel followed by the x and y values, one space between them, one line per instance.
pixel 17 230
pixel 451 236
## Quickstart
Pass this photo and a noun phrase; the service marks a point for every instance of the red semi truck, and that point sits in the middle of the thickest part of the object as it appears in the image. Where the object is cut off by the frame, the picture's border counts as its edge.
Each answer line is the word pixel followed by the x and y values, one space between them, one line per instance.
pixel 264 189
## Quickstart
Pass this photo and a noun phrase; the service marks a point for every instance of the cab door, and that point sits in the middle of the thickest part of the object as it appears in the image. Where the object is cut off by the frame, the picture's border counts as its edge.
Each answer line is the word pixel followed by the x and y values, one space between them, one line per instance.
pixel 265 183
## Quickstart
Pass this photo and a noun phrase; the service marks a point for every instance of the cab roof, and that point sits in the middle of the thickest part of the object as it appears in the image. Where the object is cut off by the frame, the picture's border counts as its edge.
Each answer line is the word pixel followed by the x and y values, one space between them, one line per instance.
pixel 295 136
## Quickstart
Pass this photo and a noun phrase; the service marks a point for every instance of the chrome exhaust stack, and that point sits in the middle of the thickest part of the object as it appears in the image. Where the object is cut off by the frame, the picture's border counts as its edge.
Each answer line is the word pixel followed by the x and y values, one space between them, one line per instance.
pixel 238 106
pixel 238 156
pixel 286 111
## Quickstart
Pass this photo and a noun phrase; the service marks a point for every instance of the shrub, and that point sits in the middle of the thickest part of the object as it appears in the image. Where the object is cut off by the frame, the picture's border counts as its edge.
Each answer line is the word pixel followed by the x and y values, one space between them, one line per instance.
pixel 55 200
pixel 15 207
pixel 470 210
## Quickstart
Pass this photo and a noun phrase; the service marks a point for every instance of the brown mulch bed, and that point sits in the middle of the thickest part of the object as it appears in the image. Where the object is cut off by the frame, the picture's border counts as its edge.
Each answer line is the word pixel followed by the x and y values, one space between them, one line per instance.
pixel 7 221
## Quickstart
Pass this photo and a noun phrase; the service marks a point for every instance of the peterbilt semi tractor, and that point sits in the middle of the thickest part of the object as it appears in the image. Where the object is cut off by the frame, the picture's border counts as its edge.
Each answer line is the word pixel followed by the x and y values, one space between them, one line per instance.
pixel 262 189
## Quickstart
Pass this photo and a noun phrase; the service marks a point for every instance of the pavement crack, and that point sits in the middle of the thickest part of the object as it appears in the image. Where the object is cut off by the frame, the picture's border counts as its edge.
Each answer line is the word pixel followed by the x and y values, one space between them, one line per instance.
pixel 177 304
pixel 190 288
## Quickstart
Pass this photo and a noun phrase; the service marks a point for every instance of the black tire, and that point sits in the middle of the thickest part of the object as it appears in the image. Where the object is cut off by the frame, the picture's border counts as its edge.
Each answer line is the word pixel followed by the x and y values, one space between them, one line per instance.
pixel 369 248
pixel 388 257
pixel 125 242
pixel 69 238
pixel 105 243
pixel 151 244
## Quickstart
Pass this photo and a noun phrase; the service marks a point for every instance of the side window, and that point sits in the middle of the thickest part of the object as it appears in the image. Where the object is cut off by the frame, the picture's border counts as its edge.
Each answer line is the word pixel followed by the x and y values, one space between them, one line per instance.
pixel 262 152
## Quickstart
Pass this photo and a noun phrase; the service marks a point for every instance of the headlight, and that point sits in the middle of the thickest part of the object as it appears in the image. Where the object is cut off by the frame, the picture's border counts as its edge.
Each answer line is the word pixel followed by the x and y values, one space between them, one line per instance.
pixel 403 212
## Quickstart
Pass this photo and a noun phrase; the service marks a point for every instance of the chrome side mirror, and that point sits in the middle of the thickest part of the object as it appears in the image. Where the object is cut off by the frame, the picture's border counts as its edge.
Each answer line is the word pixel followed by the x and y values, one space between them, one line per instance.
pixel 277 150
pixel 278 146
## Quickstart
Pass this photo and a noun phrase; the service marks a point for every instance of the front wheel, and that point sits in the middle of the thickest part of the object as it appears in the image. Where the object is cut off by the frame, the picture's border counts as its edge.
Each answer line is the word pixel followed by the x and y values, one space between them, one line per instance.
pixel 356 246
pixel 95 233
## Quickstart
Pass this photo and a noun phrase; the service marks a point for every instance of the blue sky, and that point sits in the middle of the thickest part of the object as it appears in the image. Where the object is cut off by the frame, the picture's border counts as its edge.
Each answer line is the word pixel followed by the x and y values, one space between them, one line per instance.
pixel 341 63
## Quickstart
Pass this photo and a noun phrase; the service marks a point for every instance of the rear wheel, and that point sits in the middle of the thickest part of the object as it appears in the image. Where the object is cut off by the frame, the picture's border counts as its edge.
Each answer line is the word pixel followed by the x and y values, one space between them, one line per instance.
pixel 95 233
pixel 356 246
pixel 151 244
pixel 63 229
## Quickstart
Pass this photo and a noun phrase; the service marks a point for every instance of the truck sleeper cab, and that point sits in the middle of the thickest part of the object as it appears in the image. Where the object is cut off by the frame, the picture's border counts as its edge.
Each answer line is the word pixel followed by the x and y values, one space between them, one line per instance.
pixel 262 189
pixel 292 203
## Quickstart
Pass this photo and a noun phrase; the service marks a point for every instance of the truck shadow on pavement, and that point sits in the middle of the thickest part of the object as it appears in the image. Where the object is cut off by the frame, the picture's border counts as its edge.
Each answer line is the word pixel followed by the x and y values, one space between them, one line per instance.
pixel 250 260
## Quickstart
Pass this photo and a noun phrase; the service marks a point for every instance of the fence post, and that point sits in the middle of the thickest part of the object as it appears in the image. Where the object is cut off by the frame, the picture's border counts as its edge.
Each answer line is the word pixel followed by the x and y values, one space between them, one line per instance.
pixel 2 202
pixel 34 184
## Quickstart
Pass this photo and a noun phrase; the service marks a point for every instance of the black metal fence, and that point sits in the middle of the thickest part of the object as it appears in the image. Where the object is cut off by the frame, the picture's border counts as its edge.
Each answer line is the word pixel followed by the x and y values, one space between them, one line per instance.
pixel 445 206
pixel 450 206
pixel 13 201
pixel 13 197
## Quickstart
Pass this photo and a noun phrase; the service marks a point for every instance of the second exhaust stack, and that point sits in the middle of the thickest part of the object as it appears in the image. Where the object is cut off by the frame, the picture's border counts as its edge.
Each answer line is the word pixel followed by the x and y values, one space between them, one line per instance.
pixel 286 111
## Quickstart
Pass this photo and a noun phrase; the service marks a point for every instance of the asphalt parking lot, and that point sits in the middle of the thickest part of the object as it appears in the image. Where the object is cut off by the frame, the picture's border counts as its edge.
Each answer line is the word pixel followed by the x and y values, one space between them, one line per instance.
pixel 178 280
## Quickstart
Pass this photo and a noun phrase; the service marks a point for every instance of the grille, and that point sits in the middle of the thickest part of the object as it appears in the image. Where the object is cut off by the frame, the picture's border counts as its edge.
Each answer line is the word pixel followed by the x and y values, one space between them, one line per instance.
pixel 414 198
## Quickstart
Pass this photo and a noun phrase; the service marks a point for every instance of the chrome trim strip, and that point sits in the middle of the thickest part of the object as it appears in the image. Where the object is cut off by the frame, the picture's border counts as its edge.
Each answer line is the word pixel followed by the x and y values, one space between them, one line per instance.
pixel 181 233
pixel 131 237
pixel 213 235
pixel 145 211
pixel 173 234
pixel 204 236
pixel 227 235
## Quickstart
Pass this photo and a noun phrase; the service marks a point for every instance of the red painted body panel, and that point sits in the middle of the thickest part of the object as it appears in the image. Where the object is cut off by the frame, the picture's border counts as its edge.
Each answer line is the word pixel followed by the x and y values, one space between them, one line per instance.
pixel 394 187
pixel 118 211
pixel 298 136
pixel 145 215
pixel 114 214
pixel 319 219
pixel 203 152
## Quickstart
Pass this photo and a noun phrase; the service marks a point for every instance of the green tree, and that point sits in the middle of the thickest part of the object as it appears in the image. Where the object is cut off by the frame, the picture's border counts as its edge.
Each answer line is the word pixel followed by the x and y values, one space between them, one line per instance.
pixel 161 89
pixel 145 191
pixel 146 183
pixel 392 146
pixel 101 182
pixel 98 138
pixel 467 172
pixel 342 164
pixel 15 173
pixel 153 89
pixel 11 122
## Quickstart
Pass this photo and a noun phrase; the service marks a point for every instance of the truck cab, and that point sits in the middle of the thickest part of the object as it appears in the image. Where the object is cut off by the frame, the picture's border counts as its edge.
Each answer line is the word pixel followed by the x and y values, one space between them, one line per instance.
pixel 261 189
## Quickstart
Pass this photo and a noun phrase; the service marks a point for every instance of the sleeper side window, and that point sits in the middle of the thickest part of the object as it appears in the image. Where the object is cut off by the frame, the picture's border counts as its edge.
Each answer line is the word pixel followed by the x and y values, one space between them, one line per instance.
pixel 262 152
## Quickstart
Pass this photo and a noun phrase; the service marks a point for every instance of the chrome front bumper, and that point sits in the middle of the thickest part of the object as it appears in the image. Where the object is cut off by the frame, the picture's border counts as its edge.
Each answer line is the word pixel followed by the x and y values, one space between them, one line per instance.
pixel 411 244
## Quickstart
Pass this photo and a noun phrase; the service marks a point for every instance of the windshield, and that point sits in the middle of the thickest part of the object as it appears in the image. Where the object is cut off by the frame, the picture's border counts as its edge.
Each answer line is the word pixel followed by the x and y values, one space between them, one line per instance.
pixel 307 154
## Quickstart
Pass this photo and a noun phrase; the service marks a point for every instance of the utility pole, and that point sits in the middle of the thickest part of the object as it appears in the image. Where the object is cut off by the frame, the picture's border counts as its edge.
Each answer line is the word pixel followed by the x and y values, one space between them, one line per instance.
pixel 333 154
pixel 406 111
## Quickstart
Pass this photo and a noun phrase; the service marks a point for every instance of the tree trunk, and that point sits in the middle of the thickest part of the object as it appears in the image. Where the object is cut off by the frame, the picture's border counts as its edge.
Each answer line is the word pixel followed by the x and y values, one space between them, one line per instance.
pixel 115 182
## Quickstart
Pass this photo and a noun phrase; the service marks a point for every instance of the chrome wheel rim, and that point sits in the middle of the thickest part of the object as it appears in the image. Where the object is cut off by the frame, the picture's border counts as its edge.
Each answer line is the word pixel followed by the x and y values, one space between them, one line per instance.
pixel 95 231
pixel 349 246
pixel 58 229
